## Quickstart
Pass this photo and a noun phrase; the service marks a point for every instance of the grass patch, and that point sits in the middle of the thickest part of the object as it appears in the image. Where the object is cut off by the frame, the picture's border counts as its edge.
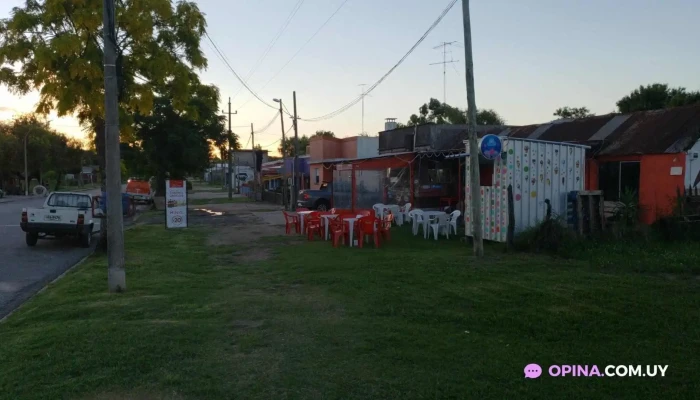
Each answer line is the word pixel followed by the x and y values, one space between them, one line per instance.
pixel 201 202
pixel 415 319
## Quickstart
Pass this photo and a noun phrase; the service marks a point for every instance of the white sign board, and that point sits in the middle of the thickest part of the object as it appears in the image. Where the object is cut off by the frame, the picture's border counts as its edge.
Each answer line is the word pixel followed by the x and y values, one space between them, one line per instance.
pixel 176 204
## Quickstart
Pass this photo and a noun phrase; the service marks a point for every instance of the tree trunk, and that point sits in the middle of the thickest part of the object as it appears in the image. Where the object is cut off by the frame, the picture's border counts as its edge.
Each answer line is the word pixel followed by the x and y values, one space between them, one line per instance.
pixel 98 124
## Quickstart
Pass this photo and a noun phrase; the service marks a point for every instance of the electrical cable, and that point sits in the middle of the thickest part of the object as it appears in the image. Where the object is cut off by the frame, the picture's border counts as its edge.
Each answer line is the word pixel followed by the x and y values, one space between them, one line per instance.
pixel 267 126
pixel 298 51
pixel 272 43
pixel 223 58
pixel 359 98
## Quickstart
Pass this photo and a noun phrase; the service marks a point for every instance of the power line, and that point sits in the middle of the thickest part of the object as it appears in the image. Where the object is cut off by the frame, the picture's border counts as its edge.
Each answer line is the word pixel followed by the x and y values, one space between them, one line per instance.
pixel 272 43
pixel 272 121
pixel 222 57
pixel 359 98
pixel 299 51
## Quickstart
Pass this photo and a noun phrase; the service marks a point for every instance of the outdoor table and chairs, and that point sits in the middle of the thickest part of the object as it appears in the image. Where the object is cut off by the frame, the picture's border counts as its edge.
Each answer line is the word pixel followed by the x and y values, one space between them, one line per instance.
pixel 327 218
pixel 302 217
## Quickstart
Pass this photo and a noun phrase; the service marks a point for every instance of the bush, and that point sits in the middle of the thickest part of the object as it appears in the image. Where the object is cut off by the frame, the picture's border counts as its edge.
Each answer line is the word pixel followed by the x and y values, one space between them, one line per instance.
pixel 550 236
pixel 189 186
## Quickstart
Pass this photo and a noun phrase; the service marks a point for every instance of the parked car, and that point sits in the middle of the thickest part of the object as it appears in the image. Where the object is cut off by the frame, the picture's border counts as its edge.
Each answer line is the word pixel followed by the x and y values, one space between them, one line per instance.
pixel 64 214
pixel 316 199
pixel 139 190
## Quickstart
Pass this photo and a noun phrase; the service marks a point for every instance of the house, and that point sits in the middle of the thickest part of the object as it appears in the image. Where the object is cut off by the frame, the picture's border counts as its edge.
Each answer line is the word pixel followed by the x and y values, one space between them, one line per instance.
pixel 324 152
pixel 651 155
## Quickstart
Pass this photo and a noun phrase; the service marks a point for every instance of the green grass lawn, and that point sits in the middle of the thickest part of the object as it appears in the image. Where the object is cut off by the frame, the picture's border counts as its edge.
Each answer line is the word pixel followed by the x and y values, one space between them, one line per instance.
pixel 415 319
pixel 224 200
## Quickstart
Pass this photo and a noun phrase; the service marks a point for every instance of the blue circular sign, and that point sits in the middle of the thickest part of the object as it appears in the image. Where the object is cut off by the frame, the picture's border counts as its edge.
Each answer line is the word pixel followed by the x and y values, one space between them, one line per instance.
pixel 491 147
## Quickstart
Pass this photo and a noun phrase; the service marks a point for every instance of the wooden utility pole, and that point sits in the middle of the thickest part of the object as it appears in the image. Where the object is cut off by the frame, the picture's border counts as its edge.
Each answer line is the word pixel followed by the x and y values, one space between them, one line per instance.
pixel 230 151
pixel 116 276
pixel 296 154
pixel 255 164
pixel 475 184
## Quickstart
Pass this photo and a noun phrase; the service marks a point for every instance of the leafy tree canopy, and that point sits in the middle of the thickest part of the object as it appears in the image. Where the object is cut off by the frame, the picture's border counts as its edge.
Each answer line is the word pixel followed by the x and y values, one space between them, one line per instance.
pixel 443 113
pixel 573 112
pixel 288 145
pixel 56 47
pixel 173 142
pixel 324 134
pixel 655 97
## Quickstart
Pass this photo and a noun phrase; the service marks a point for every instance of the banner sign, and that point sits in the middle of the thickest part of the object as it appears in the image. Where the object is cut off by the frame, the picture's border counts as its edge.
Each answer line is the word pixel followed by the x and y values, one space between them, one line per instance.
pixel 176 204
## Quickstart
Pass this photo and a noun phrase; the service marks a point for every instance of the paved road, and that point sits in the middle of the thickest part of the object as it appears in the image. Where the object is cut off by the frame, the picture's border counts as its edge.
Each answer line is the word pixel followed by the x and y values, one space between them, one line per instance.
pixel 25 270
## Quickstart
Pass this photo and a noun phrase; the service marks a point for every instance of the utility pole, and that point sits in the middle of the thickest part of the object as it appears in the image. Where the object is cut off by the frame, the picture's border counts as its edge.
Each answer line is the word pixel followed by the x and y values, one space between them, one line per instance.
pixel 283 170
pixel 475 183
pixel 26 170
pixel 444 67
pixel 230 151
pixel 255 164
pixel 116 276
pixel 363 106
pixel 296 154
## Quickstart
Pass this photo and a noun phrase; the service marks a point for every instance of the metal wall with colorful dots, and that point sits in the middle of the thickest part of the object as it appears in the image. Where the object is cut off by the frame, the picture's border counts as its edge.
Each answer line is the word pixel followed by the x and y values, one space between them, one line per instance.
pixel 538 171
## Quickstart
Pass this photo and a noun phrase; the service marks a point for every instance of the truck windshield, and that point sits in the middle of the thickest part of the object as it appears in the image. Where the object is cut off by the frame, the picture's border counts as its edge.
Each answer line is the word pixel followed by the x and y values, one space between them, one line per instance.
pixel 68 200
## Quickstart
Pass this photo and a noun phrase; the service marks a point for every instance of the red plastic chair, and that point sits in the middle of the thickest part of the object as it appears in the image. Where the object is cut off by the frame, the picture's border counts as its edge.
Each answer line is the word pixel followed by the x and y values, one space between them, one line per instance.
pixel 313 225
pixel 290 220
pixel 366 213
pixel 366 227
pixel 303 209
pixel 336 230
pixel 333 211
pixel 385 226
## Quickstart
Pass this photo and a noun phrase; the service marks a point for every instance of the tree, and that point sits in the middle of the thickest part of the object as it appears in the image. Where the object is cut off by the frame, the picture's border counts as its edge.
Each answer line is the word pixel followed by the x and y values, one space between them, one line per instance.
pixel 324 134
pixel 655 97
pixel 57 45
pixel 573 112
pixel 443 113
pixel 288 145
pixel 173 142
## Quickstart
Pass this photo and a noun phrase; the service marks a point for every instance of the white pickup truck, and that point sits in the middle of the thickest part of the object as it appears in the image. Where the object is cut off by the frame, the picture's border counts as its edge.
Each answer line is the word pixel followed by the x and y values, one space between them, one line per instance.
pixel 63 214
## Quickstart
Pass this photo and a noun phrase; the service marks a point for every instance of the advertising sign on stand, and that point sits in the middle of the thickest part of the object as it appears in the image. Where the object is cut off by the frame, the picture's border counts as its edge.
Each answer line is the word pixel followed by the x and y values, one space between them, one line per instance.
pixel 175 204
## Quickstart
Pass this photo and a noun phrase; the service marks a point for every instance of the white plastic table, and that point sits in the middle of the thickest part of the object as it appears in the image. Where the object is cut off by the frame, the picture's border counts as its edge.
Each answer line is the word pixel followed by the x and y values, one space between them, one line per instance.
pixel 426 220
pixel 327 219
pixel 351 223
pixel 303 214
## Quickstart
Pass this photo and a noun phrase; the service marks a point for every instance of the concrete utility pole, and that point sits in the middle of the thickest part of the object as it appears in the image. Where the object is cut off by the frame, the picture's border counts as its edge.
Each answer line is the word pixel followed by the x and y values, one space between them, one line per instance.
pixel 296 154
pixel 115 223
pixel 283 170
pixel 230 152
pixel 473 146
pixel 444 67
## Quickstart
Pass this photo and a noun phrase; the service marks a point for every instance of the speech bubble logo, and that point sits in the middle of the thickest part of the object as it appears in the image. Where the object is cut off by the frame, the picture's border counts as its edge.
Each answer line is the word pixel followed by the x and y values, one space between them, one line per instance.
pixel 533 371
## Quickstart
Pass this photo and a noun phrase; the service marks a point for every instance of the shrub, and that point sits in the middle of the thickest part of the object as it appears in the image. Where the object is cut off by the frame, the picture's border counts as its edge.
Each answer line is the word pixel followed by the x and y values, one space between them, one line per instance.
pixel 189 186
pixel 550 236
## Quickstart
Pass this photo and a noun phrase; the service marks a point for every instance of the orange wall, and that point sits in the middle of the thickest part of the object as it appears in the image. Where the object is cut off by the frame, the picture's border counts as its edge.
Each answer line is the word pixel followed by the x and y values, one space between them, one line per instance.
pixel 657 187
pixel 348 147
pixel 325 174
pixel 657 191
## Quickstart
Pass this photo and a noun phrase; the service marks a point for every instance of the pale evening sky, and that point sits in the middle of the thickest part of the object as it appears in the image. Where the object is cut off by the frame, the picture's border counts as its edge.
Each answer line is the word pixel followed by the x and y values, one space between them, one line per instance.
pixel 530 57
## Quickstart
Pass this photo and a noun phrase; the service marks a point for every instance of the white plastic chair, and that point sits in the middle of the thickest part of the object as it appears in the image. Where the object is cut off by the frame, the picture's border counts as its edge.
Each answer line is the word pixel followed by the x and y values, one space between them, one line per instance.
pixel 405 210
pixel 378 210
pixel 417 219
pixel 440 223
pixel 453 219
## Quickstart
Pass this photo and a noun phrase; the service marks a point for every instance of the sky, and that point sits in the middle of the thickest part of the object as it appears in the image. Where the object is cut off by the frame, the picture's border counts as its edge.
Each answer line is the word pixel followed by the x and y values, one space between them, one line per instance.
pixel 530 57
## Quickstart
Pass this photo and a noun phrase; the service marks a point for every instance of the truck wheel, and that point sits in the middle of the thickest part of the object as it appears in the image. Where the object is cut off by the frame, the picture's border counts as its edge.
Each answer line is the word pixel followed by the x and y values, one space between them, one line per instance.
pixel 322 206
pixel 32 238
pixel 86 240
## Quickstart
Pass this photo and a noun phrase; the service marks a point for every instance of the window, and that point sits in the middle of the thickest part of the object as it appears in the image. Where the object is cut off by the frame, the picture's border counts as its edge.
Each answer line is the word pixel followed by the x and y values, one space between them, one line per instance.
pixel 615 178
pixel 316 176
pixel 69 200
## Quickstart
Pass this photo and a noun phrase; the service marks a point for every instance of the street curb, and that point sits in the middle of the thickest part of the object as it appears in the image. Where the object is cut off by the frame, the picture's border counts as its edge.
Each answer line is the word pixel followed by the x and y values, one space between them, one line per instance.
pixel 71 268
pixel 82 260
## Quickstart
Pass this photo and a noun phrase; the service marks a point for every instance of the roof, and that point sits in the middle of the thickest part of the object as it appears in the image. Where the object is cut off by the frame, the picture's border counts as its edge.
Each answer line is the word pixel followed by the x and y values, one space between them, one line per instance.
pixel 671 130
